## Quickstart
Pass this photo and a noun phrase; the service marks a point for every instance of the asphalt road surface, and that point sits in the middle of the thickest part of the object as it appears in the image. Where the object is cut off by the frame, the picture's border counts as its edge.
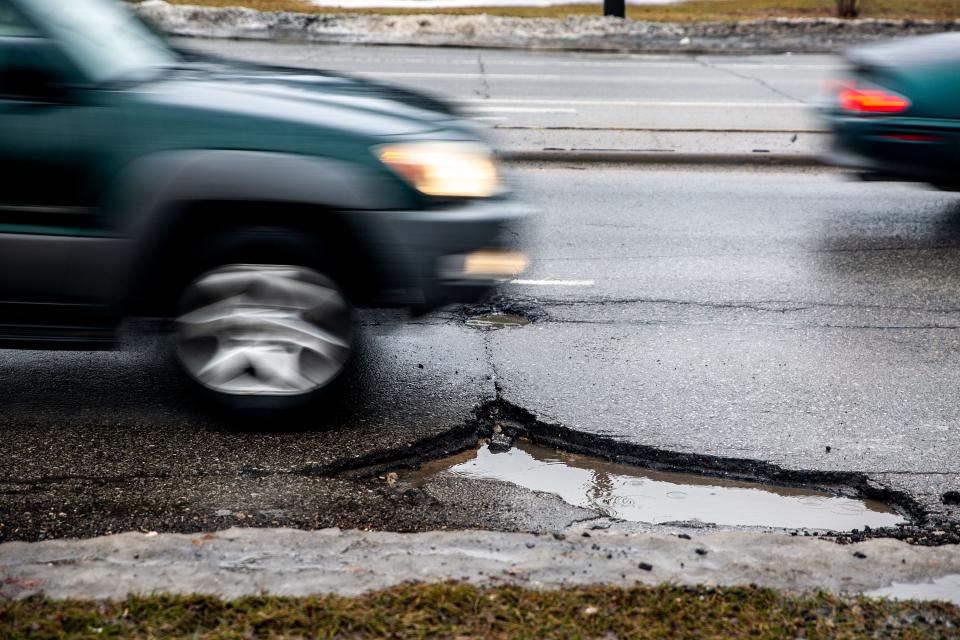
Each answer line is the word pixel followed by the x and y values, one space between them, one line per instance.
pixel 761 323
pixel 748 316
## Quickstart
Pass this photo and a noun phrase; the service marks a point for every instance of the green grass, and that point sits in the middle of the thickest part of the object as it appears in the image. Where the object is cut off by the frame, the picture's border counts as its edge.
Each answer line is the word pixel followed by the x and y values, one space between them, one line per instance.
pixel 456 610
pixel 708 10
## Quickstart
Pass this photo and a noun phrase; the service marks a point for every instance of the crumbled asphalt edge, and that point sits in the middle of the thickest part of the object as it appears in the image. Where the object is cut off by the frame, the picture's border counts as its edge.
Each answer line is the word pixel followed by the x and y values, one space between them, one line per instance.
pixel 450 443
pixel 579 33
pixel 500 304
pixel 494 415
pixel 923 528
pixel 501 416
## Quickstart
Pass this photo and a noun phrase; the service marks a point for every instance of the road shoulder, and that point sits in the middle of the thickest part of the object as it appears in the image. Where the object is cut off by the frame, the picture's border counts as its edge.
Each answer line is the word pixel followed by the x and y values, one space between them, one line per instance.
pixel 246 561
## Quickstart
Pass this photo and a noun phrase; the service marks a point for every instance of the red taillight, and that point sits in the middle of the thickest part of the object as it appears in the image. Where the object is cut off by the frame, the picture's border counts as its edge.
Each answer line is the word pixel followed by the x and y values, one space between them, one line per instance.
pixel 871 100
pixel 912 137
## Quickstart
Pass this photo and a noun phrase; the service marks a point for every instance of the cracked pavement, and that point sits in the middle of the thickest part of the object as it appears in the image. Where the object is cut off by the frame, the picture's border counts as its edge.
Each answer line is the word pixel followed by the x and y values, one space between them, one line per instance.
pixel 769 324
pixel 755 323
pixel 793 318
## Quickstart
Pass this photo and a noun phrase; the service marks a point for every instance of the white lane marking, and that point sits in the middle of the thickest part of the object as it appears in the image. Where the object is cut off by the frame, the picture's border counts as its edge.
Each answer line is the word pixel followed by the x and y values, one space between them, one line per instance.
pixel 490 118
pixel 628 78
pixel 554 283
pixel 402 57
pixel 639 103
pixel 522 109
pixel 631 64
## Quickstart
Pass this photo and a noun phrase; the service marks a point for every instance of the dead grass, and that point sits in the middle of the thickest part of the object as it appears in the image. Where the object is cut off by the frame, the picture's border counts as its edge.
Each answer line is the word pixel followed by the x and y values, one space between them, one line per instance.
pixel 456 610
pixel 695 10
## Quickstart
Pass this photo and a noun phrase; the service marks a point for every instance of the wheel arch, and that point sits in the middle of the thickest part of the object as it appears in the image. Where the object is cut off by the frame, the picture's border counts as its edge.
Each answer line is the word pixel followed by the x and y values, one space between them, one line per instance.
pixel 171 204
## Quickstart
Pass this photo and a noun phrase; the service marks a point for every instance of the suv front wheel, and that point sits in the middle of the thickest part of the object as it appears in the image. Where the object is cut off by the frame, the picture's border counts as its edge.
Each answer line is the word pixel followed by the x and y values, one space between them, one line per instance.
pixel 263 337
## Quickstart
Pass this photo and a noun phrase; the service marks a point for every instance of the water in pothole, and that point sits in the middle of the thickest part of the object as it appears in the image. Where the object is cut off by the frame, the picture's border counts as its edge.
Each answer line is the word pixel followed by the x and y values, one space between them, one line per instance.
pixel 497 321
pixel 640 495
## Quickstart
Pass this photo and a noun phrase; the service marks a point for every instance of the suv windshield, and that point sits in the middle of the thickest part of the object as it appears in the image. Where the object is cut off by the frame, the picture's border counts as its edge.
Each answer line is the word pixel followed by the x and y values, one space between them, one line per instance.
pixel 104 39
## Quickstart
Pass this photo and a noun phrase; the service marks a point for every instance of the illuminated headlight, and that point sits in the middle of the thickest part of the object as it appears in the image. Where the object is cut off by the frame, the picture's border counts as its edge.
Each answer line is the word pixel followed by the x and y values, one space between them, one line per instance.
pixel 444 169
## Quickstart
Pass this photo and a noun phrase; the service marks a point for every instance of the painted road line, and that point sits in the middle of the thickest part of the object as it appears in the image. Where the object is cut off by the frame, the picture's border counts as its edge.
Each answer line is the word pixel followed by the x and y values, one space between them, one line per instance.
pixel 554 283
pixel 639 103
pixel 520 127
pixel 641 68
pixel 607 60
pixel 631 78
pixel 522 110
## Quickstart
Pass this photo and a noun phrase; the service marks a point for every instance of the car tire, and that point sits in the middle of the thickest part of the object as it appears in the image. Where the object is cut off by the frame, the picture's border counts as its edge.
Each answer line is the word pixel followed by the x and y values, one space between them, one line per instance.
pixel 263 338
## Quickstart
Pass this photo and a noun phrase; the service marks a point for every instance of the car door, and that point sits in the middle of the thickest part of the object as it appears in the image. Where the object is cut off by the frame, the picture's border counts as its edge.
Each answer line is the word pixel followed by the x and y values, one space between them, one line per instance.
pixel 47 153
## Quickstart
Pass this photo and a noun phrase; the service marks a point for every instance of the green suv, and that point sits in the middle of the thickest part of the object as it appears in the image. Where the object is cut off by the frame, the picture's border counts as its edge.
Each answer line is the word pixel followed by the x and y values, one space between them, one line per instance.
pixel 255 207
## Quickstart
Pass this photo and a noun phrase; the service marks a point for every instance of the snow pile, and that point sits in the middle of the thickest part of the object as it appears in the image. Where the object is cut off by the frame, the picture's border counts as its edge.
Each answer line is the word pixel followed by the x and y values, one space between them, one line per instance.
pixel 460 4
pixel 573 32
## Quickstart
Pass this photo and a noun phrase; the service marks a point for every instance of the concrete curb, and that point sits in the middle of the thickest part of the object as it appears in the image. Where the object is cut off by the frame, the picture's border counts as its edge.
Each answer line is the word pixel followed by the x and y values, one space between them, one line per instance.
pixel 241 562
pixel 663 157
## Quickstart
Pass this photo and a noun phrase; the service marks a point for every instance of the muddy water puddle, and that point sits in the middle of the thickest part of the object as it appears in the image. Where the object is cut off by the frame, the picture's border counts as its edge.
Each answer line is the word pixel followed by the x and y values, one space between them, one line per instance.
pixel 498 321
pixel 641 495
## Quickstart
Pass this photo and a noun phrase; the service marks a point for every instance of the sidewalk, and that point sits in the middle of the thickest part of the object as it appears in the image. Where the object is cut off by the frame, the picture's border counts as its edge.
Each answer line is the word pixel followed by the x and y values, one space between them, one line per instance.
pixel 240 562
pixel 661 146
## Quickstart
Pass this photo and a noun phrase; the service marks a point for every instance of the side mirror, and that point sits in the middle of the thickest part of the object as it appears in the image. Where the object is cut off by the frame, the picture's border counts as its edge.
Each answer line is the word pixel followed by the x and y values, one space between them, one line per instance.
pixel 34 70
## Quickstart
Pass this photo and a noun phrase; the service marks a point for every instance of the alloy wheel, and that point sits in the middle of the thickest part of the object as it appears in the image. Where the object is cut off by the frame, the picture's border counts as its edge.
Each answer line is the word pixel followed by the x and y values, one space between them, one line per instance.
pixel 264 330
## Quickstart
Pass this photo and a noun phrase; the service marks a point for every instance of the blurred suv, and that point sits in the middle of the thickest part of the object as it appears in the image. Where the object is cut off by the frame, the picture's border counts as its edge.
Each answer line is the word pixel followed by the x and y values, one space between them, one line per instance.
pixel 895 115
pixel 254 206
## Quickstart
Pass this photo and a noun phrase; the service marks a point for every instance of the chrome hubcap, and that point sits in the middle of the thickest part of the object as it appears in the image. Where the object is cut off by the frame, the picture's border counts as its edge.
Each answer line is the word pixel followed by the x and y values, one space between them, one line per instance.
pixel 263 330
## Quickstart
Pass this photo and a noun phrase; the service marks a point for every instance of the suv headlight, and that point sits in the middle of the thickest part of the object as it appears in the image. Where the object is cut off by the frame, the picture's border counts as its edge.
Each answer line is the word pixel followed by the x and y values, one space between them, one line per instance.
pixel 444 169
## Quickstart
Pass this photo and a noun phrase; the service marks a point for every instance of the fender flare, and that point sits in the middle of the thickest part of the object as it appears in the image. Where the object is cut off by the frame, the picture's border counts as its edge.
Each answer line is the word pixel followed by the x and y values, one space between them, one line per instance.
pixel 151 196
pixel 147 187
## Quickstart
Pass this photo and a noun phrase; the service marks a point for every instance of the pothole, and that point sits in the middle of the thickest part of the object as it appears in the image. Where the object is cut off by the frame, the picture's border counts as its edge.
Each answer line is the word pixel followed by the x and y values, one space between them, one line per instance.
pixel 641 495
pixel 497 320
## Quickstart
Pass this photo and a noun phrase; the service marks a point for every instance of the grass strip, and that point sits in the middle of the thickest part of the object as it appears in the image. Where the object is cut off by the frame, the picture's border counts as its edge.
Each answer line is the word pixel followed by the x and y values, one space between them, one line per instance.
pixel 691 11
pixel 458 610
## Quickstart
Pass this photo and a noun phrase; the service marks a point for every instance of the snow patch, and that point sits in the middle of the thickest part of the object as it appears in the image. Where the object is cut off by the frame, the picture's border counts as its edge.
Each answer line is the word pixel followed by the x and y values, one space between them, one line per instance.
pixel 595 33
pixel 460 4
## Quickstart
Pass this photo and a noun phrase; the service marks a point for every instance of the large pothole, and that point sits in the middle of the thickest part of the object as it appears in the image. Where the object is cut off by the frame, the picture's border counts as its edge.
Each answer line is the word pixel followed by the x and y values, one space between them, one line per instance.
pixel 640 495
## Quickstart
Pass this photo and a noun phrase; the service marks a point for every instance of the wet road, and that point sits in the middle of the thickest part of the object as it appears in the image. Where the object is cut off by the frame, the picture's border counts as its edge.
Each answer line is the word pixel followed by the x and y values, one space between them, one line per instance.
pixel 797 319
pixel 703 318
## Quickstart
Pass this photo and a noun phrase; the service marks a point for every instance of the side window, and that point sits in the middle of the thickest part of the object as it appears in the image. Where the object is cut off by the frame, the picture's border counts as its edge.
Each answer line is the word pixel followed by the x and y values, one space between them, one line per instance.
pixel 32 69
pixel 12 25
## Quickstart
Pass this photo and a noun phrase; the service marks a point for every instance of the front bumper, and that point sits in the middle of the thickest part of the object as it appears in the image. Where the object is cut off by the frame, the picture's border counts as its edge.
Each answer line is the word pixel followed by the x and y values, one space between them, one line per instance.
pixel 428 258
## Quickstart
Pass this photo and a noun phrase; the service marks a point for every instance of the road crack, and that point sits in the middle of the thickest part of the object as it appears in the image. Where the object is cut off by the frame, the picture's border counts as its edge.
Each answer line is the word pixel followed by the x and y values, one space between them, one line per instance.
pixel 743 76
pixel 772 306
pixel 484 90
pixel 519 422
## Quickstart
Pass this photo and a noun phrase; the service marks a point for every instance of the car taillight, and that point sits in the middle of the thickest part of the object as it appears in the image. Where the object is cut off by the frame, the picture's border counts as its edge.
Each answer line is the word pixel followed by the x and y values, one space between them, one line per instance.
pixel 861 100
